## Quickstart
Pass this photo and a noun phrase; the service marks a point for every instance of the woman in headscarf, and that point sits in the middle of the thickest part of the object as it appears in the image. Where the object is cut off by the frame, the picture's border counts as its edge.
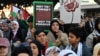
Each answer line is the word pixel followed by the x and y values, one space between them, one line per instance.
pixel 17 31
pixel 17 34
pixel 56 36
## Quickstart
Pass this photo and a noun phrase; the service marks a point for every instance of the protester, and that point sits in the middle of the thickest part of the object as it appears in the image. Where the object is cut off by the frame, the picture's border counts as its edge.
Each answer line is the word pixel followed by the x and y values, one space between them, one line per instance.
pixel 94 37
pixel 85 33
pixel 36 48
pixel 31 29
pixel 17 32
pixel 89 25
pixel 56 36
pixel 41 37
pixel 5 47
pixel 7 32
pixel 76 42
pixel 21 51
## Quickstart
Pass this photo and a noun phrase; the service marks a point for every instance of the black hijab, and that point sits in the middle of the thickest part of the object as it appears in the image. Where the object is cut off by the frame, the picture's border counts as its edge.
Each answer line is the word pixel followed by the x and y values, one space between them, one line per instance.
pixel 54 33
pixel 97 21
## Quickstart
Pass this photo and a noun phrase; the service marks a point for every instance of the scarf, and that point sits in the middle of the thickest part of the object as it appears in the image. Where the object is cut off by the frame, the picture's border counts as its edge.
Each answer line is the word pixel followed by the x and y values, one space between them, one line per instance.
pixel 79 50
pixel 15 30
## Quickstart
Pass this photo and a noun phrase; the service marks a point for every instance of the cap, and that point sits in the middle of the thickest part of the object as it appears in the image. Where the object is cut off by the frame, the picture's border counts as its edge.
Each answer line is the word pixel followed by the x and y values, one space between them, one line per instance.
pixel 4 42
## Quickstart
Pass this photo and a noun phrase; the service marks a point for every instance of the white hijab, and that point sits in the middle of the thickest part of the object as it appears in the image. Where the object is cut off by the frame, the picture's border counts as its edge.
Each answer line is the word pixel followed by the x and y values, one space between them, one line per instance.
pixel 17 24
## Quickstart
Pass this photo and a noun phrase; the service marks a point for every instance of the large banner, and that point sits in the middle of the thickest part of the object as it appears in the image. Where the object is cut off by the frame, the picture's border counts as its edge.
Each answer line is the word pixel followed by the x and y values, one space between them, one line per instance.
pixel 70 11
pixel 43 13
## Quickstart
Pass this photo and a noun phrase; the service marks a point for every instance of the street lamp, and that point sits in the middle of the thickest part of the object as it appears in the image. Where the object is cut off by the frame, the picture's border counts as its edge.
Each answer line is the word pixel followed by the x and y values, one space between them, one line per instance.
pixel 97 1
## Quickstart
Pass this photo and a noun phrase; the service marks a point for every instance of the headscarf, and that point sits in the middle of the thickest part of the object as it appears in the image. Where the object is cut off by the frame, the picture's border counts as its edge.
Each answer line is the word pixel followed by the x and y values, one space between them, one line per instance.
pixel 97 21
pixel 17 24
pixel 54 33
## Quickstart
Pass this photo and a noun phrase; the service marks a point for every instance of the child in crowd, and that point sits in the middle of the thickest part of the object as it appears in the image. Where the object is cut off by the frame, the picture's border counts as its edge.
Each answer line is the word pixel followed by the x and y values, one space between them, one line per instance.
pixel 76 42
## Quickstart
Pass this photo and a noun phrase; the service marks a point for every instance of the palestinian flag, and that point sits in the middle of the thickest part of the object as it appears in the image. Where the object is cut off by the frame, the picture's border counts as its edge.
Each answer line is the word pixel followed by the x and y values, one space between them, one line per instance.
pixel 14 11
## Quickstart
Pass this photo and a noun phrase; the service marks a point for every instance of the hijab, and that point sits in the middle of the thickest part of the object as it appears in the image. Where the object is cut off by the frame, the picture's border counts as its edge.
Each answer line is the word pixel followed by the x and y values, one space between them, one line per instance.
pixel 97 21
pixel 54 33
pixel 17 24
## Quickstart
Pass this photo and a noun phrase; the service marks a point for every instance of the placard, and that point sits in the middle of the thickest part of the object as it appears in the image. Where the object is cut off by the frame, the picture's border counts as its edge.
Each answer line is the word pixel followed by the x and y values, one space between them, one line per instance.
pixel 43 14
pixel 70 11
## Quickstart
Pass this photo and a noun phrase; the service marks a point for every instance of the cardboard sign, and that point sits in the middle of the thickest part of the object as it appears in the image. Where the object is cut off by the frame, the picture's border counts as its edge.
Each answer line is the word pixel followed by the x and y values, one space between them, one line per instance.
pixel 70 11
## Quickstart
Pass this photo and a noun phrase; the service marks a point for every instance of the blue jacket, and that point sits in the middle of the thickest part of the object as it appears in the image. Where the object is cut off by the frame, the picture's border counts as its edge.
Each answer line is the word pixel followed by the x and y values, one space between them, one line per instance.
pixel 85 50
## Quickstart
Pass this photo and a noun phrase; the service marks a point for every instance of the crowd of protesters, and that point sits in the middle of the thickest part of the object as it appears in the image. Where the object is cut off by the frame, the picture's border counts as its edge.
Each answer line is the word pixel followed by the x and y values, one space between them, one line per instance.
pixel 19 38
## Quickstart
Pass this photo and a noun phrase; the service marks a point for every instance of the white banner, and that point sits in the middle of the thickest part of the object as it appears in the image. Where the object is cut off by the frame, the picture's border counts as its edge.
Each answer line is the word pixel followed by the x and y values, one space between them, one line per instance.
pixel 70 11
